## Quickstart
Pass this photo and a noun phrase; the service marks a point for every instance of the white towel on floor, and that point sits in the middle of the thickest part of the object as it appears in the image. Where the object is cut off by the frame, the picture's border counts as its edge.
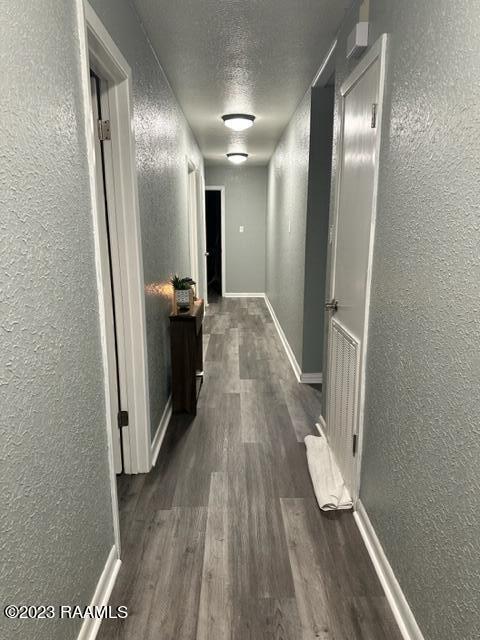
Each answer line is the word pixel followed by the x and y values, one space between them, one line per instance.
pixel 327 480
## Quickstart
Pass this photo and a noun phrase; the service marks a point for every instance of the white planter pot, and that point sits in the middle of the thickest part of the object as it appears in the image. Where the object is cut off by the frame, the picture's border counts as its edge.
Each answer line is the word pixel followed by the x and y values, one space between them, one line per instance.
pixel 182 298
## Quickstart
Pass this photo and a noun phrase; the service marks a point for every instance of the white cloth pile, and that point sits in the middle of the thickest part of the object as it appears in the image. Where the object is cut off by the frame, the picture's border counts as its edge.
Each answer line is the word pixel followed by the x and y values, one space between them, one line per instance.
pixel 327 480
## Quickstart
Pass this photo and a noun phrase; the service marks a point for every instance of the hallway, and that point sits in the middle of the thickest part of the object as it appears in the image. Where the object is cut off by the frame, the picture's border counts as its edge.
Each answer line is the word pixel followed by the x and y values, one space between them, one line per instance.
pixel 224 538
pixel 340 142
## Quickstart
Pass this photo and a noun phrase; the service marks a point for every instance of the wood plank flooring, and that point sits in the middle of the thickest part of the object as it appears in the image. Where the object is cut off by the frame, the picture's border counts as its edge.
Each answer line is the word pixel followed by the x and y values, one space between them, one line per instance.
pixel 224 540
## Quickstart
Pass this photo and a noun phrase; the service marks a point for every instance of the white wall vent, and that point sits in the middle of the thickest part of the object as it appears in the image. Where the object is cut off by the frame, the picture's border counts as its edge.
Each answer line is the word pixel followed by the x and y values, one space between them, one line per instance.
pixel 343 389
pixel 357 41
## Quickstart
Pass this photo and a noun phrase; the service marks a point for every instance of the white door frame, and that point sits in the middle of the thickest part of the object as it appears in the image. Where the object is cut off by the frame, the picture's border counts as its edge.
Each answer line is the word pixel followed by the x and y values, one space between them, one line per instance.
pixel 203 233
pixel 100 53
pixel 106 199
pixel 378 51
pixel 222 222
pixel 193 212
pixel 196 217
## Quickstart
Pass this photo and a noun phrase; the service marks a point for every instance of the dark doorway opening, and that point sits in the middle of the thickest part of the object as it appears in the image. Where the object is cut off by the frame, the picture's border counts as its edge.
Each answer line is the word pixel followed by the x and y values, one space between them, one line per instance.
pixel 213 217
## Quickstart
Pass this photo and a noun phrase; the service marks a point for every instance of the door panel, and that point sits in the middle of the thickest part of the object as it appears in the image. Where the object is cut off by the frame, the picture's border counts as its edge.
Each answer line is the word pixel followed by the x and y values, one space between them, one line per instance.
pixel 108 287
pixel 355 203
pixel 351 268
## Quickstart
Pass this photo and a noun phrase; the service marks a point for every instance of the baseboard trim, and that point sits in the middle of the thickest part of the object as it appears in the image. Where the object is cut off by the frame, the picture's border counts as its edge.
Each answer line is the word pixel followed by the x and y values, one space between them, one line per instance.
pixel 396 599
pixel 304 378
pixel 90 627
pixel 288 349
pixel 321 427
pixel 161 431
pixel 244 295
pixel 311 378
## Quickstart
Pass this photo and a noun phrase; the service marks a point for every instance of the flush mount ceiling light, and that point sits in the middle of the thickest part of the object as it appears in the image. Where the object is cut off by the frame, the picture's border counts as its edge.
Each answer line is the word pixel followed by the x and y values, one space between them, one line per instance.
pixel 237 158
pixel 238 121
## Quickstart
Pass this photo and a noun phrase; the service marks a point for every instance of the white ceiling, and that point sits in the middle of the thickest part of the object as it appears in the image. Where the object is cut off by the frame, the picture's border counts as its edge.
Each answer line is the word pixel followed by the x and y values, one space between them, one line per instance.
pixel 240 56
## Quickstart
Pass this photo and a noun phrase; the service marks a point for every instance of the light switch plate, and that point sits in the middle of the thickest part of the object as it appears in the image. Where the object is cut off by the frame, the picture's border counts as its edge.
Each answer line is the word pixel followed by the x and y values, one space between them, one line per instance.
pixel 241 228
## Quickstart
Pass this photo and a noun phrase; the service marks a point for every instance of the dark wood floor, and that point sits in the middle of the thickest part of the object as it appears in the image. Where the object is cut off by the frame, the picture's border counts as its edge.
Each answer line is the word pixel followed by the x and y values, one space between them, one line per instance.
pixel 224 538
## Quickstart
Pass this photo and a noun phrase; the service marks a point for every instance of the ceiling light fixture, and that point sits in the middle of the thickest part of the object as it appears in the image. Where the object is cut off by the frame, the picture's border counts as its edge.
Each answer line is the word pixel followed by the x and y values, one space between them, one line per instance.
pixel 238 121
pixel 237 158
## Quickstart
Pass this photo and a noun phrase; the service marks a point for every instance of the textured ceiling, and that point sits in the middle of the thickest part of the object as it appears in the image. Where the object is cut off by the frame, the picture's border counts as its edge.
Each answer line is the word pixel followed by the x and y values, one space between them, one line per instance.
pixel 248 56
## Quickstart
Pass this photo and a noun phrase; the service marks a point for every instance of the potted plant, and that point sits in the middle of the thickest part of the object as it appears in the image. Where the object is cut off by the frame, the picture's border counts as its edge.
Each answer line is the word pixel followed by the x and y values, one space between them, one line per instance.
pixel 182 291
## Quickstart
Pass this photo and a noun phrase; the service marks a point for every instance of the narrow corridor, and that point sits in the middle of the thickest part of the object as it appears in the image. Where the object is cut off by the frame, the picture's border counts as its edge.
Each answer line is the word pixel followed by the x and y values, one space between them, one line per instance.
pixel 224 538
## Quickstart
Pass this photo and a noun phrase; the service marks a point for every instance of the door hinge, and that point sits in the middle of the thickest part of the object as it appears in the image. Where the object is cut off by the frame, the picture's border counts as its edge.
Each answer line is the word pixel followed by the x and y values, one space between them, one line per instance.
pixel 331 230
pixel 104 132
pixel 122 419
pixel 332 305
pixel 354 447
pixel 374 115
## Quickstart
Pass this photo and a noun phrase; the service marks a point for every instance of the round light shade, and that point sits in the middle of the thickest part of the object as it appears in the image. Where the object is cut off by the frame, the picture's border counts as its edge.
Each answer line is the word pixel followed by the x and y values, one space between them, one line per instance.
pixel 237 158
pixel 238 121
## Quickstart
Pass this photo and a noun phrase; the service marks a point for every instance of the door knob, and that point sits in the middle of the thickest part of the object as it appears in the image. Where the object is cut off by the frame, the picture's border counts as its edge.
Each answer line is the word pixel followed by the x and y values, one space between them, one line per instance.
pixel 332 305
pixel 207 253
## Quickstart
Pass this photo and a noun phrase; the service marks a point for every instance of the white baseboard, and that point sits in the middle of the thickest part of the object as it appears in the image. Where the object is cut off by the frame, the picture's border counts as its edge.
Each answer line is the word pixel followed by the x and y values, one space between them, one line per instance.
pixel 243 295
pixel 161 431
pixel 322 422
pixel 398 603
pixel 304 378
pixel 288 350
pixel 321 427
pixel 90 627
pixel 311 378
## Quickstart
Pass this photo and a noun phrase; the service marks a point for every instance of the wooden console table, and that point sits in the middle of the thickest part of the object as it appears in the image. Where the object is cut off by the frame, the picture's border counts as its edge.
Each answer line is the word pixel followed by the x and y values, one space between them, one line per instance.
pixel 186 340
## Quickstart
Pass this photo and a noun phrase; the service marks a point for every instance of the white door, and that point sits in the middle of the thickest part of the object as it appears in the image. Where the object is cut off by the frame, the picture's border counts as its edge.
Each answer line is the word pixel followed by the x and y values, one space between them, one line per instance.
pixel 203 237
pixel 197 235
pixel 192 197
pixel 352 256
pixel 105 232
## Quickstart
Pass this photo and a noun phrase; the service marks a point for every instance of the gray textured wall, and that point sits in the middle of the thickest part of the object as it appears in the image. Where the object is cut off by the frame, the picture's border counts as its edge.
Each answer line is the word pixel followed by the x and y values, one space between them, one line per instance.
pixel 56 518
pixel 420 481
pixel 298 199
pixel 316 240
pixel 287 201
pixel 245 204
pixel 163 142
